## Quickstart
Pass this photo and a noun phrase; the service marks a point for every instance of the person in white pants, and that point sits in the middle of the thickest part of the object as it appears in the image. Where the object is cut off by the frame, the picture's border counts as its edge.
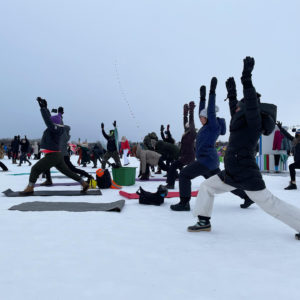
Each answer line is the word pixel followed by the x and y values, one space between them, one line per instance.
pixel 241 171
pixel 125 148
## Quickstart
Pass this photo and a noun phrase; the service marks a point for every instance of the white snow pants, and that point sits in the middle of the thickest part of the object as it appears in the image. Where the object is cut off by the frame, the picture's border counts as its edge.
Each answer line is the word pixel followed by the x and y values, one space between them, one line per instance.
pixel 125 152
pixel 275 207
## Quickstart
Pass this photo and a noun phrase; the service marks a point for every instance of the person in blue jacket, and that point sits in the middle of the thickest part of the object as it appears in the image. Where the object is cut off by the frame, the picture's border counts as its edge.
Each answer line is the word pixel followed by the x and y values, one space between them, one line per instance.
pixel 207 160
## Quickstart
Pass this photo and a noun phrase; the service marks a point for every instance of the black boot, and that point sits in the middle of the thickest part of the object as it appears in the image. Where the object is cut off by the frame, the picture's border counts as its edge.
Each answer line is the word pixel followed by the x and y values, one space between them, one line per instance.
pixel 183 205
pixel 202 225
pixel 292 186
pixel 247 203
pixel 47 183
pixel 169 186
pixel 297 236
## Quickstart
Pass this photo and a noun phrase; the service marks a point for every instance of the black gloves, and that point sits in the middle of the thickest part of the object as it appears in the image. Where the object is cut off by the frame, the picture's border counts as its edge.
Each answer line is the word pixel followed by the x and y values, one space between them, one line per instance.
pixel 247 72
pixel 279 124
pixel 102 125
pixel 115 123
pixel 213 85
pixel 231 88
pixel 168 127
pixel 61 110
pixel 162 128
pixel 202 92
pixel 185 109
pixel 192 105
pixel 42 102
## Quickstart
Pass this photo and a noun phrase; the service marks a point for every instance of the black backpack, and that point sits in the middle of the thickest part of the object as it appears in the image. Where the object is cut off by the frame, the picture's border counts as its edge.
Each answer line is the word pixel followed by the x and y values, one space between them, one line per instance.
pixel 149 198
pixel 104 182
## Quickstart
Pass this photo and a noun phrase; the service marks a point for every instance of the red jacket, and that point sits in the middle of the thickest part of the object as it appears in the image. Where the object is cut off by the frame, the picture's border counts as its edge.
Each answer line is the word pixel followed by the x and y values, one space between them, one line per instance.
pixel 125 145
pixel 278 137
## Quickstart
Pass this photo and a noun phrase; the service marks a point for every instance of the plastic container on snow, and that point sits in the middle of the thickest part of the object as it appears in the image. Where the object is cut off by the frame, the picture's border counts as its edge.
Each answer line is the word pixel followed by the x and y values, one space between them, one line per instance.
pixel 124 175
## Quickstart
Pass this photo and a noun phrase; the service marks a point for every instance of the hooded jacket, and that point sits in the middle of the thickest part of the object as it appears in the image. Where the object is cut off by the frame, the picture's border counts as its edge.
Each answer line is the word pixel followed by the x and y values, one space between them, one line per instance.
pixel 207 136
pixel 241 170
pixel 147 157
pixel 63 143
pixel 51 136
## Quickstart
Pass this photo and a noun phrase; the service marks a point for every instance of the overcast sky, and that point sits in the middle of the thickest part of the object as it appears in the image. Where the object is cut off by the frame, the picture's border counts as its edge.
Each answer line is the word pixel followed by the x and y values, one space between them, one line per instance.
pixel 94 57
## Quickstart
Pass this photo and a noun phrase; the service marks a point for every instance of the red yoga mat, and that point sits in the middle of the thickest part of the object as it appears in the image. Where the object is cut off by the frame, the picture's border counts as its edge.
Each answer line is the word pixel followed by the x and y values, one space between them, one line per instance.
pixel 170 195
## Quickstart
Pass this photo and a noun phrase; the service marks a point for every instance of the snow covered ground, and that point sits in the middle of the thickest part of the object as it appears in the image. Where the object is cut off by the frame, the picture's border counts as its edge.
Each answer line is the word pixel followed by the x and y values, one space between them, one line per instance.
pixel 145 252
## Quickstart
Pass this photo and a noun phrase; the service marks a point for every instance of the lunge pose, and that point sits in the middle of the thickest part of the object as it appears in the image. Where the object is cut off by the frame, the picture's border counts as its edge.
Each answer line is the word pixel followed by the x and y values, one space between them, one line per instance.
pixel 53 156
pixel 241 171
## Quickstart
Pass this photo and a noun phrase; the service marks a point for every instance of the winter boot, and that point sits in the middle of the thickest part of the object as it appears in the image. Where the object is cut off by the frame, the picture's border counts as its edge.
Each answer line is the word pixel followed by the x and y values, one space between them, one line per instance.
pixel 183 205
pixel 169 186
pixel 47 183
pixel 28 191
pixel 85 186
pixel 202 225
pixel 247 203
pixel 297 236
pixel 292 186
pixel 29 163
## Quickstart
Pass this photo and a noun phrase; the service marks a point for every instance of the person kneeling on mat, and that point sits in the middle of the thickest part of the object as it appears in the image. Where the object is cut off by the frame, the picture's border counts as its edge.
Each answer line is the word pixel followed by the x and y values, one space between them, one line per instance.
pixel 53 157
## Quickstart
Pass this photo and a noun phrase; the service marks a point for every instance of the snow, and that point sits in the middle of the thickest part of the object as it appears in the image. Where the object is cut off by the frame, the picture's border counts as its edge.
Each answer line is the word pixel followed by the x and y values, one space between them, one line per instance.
pixel 145 252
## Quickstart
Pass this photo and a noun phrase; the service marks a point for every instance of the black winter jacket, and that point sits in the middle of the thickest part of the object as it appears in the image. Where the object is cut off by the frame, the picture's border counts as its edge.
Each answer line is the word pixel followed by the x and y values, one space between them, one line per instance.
pixel 24 146
pixel 51 136
pixel 111 143
pixel 168 151
pixel 15 145
pixel 241 170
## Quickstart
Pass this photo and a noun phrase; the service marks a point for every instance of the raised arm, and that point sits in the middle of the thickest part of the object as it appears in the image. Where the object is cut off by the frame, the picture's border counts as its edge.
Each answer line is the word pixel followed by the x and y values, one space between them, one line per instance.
pixel 202 98
pixel 103 131
pixel 284 132
pixel 46 114
pixel 162 134
pixel 252 112
pixel 231 95
pixel 191 116
pixel 185 114
pixel 211 108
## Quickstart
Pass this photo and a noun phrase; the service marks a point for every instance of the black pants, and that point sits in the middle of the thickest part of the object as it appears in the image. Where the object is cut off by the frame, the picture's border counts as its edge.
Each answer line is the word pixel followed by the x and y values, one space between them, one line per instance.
pixel 292 167
pixel 196 169
pixel 162 164
pixel 23 158
pixel 70 166
pixel 172 172
pixel 108 155
pixel 54 159
pixel 3 166
pixel 276 159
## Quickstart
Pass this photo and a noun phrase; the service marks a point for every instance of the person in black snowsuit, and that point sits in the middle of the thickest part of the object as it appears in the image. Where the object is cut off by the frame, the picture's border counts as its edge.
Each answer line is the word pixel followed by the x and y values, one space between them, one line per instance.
pixel 187 149
pixel 15 149
pixel 24 143
pixel 296 151
pixel 241 171
pixel 50 144
pixel 112 150
pixel 166 136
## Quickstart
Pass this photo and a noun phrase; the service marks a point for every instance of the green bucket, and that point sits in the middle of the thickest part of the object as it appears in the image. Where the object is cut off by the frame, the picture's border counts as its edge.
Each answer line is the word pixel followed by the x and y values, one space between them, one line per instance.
pixel 124 175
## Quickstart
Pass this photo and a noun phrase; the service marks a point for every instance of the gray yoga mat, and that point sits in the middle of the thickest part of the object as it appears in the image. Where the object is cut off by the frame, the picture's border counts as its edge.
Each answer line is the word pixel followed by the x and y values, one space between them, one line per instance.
pixel 10 193
pixel 116 206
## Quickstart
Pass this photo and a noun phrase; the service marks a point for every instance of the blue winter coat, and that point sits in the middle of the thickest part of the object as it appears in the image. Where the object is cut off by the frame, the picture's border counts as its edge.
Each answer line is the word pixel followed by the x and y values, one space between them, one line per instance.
pixel 207 136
